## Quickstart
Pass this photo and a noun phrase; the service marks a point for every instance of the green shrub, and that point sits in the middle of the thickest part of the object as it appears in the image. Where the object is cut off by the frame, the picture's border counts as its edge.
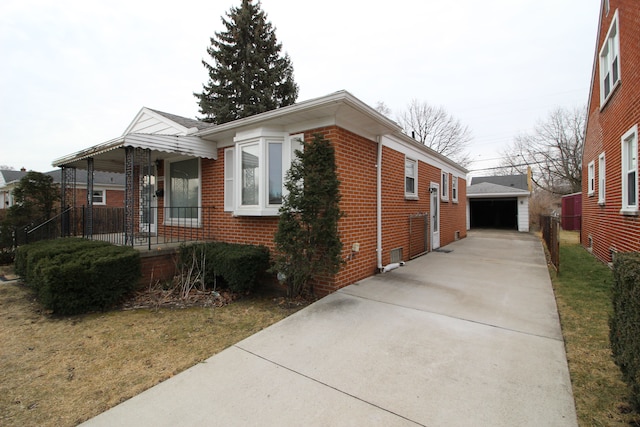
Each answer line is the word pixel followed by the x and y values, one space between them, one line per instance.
pixel 72 276
pixel 239 266
pixel 625 320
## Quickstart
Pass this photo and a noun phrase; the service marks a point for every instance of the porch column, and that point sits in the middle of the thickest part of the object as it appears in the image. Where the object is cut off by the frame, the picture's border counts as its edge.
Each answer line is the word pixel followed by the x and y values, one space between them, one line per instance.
pixel 68 200
pixel 89 211
pixel 129 195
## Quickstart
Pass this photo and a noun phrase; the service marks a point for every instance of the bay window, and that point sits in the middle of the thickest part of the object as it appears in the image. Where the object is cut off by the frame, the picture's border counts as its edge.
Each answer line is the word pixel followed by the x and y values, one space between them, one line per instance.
pixel 254 179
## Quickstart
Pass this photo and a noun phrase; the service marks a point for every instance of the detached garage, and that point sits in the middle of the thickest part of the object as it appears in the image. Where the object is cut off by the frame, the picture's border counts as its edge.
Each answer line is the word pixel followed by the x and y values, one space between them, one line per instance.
pixel 500 202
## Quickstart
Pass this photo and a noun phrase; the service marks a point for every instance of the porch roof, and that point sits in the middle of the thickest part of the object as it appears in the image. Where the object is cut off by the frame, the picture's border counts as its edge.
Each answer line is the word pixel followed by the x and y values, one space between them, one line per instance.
pixel 109 156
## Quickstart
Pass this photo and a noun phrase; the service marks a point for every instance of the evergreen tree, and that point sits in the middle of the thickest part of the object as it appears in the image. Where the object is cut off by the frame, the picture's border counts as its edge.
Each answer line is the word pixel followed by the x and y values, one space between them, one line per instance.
pixel 35 196
pixel 248 75
pixel 307 241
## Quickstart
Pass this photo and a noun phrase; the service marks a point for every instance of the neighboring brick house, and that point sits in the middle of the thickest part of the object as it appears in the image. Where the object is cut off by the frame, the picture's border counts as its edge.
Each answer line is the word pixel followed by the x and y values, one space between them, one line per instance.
pixel 228 179
pixel 610 209
pixel 108 187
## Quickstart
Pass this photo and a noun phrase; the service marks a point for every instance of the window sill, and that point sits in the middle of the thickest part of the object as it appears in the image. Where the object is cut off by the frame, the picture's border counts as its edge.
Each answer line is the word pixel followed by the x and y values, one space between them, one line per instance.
pixel 591 194
pixel 257 212
pixel 601 202
pixel 455 201
pixel 410 197
pixel 629 212
pixel 605 101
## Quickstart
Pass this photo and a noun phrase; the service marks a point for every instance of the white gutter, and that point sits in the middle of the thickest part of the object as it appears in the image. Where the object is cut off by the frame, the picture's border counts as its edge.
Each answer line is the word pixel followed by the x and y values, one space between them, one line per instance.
pixel 379 203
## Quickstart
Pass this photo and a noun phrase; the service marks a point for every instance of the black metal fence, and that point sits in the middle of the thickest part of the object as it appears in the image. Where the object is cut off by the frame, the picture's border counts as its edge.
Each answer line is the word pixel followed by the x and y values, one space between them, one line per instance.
pixel 550 227
pixel 152 227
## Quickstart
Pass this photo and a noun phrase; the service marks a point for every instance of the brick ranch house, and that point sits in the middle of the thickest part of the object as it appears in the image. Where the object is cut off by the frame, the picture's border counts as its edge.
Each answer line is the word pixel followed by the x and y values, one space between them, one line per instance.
pixel 225 182
pixel 610 209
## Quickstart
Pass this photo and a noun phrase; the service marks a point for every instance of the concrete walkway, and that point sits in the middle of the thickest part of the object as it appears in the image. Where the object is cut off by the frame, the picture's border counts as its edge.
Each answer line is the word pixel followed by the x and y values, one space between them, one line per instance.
pixel 465 338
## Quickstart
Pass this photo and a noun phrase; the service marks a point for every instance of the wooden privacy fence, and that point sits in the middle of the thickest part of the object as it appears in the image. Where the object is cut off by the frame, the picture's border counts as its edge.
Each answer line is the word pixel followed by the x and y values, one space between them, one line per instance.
pixel 550 226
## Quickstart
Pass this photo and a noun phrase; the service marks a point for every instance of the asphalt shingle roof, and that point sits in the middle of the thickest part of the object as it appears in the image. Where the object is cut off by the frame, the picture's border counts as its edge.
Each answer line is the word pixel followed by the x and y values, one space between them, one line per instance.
pixel 513 181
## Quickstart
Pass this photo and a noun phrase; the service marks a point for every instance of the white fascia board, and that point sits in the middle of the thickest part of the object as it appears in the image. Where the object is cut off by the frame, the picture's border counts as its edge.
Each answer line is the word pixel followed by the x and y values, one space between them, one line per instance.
pixel 89 152
pixel 415 150
pixel 497 195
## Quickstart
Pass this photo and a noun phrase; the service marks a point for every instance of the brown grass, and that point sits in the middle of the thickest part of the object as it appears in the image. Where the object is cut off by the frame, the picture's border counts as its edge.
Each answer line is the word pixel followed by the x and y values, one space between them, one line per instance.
pixel 584 303
pixel 62 371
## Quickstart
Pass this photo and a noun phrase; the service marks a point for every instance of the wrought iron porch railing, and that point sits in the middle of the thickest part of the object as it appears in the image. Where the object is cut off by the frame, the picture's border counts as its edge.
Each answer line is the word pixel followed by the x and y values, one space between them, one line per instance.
pixel 151 227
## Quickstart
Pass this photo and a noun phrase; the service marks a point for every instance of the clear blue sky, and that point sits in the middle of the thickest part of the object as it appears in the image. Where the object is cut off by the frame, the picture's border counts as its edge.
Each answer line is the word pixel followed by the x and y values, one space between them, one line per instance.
pixel 75 72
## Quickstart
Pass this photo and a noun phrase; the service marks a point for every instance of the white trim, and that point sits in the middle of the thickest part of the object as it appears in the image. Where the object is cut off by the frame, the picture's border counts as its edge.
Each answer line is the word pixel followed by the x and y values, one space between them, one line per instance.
pixel 168 219
pixel 103 197
pixel 602 179
pixel 609 60
pixel 413 195
pixel 229 176
pixel 454 189
pixel 444 186
pixel 628 137
pixel 591 178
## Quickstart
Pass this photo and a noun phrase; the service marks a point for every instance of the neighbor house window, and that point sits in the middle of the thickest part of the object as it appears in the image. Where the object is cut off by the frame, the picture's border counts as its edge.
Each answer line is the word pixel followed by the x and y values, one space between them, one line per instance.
pixel 454 189
pixel 410 178
pixel 591 177
pixel 183 199
pixel 444 186
pixel 98 197
pixel 630 171
pixel 610 61
pixel 601 179
pixel 254 179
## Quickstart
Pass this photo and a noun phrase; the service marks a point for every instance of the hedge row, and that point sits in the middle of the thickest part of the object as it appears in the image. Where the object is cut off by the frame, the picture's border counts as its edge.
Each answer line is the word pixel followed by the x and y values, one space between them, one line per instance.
pixel 73 276
pixel 625 320
pixel 239 266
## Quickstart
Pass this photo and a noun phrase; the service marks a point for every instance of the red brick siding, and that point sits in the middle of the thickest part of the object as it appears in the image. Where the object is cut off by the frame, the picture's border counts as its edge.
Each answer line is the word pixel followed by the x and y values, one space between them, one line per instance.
pixel 356 159
pixel 604 224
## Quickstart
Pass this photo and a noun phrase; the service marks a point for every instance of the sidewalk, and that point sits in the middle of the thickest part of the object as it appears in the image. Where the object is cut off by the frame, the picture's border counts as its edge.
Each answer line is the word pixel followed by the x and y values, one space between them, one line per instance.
pixel 468 338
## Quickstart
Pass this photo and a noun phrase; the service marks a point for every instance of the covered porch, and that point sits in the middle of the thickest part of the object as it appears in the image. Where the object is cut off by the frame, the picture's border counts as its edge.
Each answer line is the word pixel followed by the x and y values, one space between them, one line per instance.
pixel 162 200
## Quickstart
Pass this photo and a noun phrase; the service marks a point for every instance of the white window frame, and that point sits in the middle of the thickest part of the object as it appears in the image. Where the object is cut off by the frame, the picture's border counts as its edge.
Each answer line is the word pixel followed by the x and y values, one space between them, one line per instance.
pixel 411 194
pixel 454 189
pixel 602 179
pixel 591 178
pixel 261 138
pixel 630 137
pixel 444 186
pixel 103 197
pixel 229 175
pixel 180 221
pixel 609 65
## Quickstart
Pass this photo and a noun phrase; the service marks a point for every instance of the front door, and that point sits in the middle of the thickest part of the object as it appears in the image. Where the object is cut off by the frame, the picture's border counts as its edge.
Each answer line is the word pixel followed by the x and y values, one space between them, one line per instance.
pixel 148 201
pixel 435 215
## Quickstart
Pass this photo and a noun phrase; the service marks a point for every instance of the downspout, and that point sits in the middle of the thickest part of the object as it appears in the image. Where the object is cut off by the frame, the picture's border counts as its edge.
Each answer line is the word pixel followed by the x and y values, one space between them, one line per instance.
pixel 379 204
pixel 393 266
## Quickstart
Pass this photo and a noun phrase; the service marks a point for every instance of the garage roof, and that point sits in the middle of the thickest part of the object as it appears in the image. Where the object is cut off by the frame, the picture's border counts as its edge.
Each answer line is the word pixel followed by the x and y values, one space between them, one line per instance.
pixel 487 189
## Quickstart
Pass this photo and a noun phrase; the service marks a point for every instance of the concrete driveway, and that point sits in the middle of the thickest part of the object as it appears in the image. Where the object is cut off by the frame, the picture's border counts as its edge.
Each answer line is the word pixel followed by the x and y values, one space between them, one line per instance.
pixel 465 338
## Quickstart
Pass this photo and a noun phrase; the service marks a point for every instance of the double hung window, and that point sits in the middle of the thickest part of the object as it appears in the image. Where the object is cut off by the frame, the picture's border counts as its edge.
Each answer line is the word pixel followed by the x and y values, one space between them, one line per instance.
pixel 410 178
pixel 591 178
pixel 610 61
pixel 630 171
pixel 444 186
